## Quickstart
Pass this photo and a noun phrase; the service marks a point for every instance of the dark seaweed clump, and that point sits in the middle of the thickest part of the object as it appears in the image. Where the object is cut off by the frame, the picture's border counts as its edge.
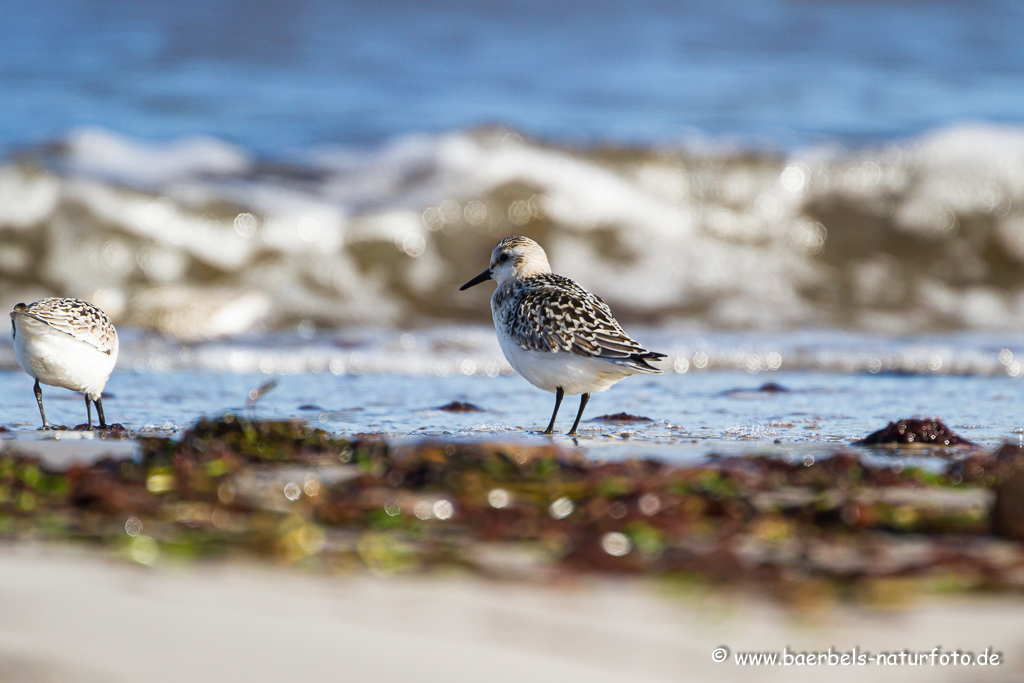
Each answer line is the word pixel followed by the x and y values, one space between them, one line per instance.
pixel 930 432
pixel 286 491
pixel 460 407
pixel 621 417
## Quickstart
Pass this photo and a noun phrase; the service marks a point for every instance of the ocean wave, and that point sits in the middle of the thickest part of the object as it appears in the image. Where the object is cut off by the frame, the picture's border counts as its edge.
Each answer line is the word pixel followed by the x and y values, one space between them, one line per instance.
pixel 198 239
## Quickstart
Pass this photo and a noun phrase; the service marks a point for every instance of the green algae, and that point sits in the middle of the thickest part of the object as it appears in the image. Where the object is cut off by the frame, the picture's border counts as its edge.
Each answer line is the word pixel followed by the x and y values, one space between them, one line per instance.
pixel 290 493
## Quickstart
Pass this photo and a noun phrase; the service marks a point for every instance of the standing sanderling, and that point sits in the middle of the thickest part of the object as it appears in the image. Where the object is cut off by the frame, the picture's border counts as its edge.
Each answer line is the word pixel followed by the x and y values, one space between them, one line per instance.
pixel 66 343
pixel 556 334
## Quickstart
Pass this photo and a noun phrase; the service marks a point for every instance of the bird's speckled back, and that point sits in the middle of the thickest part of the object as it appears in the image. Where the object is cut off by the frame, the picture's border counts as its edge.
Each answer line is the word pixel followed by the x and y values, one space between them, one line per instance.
pixel 551 313
pixel 75 317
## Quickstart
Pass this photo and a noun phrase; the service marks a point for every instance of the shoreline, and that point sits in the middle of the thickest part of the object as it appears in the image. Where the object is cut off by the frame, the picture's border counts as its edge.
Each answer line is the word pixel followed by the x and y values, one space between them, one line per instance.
pixel 844 524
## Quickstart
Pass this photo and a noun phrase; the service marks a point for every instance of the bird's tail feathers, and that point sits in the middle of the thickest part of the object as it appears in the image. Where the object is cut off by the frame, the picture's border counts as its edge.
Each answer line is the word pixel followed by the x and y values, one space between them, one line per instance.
pixel 639 362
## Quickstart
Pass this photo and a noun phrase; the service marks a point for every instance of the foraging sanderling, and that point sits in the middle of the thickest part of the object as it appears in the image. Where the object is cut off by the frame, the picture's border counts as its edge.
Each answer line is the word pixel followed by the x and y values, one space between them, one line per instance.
pixel 556 334
pixel 66 343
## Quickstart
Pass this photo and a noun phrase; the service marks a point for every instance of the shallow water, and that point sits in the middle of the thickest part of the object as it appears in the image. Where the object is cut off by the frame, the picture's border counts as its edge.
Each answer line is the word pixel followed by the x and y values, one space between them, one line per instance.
pixel 838 388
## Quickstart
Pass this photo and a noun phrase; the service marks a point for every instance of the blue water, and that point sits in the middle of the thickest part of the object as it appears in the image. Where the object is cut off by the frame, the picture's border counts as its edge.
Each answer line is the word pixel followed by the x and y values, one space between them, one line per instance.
pixel 280 76
pixel 691 414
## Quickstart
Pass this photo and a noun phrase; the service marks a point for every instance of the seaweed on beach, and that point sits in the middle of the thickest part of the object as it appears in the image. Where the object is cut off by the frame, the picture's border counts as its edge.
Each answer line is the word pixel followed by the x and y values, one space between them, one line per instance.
pixel 621 418
pixel 460 407
pixel 927 432
pixel 292 493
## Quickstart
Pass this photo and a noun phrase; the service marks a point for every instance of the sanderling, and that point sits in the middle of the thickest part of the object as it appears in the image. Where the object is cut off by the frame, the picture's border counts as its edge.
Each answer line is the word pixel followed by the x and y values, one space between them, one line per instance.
pixel 66 343
pixel 556 334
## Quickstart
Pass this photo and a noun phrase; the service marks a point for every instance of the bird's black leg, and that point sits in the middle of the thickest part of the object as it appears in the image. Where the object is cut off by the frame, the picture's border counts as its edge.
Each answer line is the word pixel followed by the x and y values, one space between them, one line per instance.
pixel 583 404
pixel 39 400
pixel 558 401
pixel 99 410
pixel 88 413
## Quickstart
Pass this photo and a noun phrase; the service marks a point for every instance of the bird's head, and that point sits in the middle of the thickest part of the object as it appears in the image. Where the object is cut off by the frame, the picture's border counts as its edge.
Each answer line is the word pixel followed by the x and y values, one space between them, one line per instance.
pixel 513 258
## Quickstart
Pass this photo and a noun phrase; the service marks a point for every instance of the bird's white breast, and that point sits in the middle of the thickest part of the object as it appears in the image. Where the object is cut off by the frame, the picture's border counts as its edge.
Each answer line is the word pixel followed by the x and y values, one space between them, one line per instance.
pixel 58 359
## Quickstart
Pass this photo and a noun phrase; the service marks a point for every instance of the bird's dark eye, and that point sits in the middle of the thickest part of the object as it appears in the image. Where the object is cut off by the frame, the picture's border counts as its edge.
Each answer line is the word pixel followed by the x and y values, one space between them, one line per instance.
pixel 503 258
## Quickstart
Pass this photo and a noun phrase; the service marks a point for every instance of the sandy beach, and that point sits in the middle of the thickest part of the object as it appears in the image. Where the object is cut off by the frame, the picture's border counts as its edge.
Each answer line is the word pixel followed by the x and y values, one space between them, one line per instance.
pixel 67 614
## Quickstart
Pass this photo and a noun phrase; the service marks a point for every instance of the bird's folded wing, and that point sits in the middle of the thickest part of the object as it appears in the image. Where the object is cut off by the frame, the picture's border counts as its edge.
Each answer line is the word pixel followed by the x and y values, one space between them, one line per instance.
pixel 569 319
pixel 81 320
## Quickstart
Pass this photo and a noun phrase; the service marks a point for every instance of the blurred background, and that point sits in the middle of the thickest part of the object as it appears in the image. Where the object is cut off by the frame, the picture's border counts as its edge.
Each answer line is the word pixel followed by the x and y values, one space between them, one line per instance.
pixel 206 168
pixel 828 193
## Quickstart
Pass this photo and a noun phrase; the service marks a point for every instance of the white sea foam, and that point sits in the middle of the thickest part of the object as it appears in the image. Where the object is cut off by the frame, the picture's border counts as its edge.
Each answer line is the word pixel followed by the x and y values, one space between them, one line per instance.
pixel 923 235
pixel 104 153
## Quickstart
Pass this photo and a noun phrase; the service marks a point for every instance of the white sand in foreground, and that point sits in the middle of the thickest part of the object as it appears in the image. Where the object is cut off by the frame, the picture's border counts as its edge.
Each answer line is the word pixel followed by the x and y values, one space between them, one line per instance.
pixel 67 615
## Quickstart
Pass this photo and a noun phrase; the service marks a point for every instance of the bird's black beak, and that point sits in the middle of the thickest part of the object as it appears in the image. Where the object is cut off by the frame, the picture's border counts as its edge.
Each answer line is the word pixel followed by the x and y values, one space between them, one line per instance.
pixel 482 277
